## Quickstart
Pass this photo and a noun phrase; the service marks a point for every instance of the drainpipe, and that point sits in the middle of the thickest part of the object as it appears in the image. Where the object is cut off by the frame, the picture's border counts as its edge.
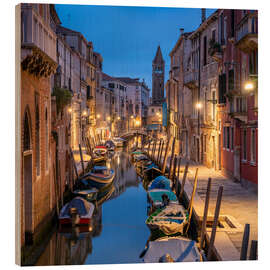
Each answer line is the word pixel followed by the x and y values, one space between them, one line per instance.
pixel 199 90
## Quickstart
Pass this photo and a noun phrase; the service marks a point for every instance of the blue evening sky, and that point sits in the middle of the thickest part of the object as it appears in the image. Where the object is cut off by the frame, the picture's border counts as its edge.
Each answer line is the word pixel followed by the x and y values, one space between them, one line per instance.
pixel 128 37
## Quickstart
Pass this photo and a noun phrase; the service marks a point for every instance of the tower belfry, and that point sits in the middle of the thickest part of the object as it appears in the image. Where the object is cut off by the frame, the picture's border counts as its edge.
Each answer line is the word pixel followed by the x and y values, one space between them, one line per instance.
pixel 158 78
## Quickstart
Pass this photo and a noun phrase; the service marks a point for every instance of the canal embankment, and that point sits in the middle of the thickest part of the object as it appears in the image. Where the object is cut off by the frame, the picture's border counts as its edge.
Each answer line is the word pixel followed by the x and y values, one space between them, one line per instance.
pixel 238 207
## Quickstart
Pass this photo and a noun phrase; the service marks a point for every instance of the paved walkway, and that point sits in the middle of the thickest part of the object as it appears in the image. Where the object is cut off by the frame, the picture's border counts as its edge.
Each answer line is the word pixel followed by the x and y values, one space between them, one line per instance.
pixel 237 202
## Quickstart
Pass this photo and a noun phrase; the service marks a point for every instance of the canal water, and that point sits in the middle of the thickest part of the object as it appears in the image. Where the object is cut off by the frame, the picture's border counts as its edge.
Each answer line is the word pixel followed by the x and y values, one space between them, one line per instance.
pixel 118 233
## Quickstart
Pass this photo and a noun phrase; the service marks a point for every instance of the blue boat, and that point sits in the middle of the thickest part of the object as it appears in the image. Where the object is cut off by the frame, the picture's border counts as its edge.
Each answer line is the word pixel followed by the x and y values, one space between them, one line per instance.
pixel 161 197
pixel 160 182
pixel 100 176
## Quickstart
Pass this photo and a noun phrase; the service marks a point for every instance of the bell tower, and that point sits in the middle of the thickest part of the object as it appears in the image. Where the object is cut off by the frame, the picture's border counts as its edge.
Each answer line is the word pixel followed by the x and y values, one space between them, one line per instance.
pixel 158 78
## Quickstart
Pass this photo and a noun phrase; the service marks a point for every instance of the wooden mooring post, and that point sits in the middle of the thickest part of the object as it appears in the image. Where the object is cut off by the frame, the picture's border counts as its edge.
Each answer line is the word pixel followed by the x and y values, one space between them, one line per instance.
pixel 81 155
pixel 183 182
pixel 174 170
pixel 165 156
pixel 253 250
pixel 215 224
pixel 190 206
pixel 154 150
pixel 160 155
pixel 205 213
pixel 56 190
pixel 74 163
pixel 244 248
pixel 171 158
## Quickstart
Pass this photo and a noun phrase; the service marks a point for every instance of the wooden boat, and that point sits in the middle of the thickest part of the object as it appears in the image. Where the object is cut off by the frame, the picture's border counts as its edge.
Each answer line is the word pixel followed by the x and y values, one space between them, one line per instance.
pixel 119 142
pixel 100 150
pixel 85 190
pixel 100 176
pixel 160 182
pixel 170 220
pixel 152 172
pixel 77 212
pixel 105 193
pixel 159 198
pixel 172 249
pixel 110 145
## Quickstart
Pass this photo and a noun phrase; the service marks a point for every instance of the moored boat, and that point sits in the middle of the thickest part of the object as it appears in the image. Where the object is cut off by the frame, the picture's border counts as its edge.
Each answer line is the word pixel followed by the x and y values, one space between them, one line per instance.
pixel 172 249
pixel 170 220
pixel 76 212
pixel 159 198
pixel 160 182
pixel 100 176
pixel 100 150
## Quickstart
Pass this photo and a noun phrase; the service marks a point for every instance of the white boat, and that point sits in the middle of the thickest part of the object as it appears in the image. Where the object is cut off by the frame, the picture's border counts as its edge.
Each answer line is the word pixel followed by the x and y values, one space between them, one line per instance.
pixel 119 142
pixel 172 249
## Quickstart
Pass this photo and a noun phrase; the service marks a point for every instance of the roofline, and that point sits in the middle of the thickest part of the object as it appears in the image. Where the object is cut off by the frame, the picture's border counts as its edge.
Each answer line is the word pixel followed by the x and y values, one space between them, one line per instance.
pixel 204 25
pixel 184 35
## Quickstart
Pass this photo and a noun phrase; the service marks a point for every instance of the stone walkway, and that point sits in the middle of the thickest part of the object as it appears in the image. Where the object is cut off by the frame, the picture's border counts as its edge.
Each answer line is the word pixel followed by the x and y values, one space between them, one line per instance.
pixel 237 202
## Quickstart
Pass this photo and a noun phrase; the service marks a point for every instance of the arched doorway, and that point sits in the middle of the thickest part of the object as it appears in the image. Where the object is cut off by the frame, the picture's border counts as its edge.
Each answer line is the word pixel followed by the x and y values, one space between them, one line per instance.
pixel 27 180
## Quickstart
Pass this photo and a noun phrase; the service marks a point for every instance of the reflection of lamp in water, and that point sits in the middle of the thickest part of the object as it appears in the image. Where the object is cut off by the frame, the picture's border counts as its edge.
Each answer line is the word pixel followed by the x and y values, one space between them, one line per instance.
pixel 118 160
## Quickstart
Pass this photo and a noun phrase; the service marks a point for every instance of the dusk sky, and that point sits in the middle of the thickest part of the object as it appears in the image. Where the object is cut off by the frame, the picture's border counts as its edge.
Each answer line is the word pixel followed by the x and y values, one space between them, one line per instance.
pixel 128 37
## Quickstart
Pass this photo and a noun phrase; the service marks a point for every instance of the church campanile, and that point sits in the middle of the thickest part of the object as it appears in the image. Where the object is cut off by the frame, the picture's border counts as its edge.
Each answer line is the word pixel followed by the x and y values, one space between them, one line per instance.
pixel 158 78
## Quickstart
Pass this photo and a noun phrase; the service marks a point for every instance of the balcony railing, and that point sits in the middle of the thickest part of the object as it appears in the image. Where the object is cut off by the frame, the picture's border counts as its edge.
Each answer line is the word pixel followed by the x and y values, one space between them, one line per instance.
pixel 35 31
pixel 247 33
pixel 191 79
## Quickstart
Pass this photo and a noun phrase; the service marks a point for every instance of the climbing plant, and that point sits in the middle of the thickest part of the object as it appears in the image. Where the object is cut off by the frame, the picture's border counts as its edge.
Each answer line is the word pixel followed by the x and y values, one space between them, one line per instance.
pixel 63 98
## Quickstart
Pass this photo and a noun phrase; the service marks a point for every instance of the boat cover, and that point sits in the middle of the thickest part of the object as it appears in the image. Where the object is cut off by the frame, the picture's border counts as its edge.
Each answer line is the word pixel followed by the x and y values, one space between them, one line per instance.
pixel 156 196
pixel 160 182
pixel 180 249
pixel 170 219
pixel 151 166
pixel 80 204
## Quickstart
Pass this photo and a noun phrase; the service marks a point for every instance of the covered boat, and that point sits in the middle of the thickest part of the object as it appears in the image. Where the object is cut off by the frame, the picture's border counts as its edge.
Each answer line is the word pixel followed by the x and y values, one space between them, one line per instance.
pixel 77 212
pixel 172 249
pixel 170 220
pixel 85 190
pixel 151 172
pixel 160 182
pixel 161 197
pixel 110 145
pixel 100 150
pixel 100 176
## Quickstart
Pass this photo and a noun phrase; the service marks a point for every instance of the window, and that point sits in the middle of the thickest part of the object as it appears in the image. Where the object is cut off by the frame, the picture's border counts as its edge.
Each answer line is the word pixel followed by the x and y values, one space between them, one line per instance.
pixel 222 88
pixel 88 93
pixel 232 23
pixel 253 146
pixel 204 143
pixel 231 79
pixel 111 85
pixel 153 110
pixel 214 35
pixel 224 137
pixel 213 106
pixel 37 136
pixel 228 137
pixel 244 144
pixel 253 63
pixel 205 50
pixel 232 138
pixel 47 139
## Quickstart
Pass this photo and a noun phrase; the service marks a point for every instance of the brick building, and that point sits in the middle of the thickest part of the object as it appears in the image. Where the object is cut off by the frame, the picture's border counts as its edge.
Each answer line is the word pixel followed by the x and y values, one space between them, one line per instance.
pixel 38 63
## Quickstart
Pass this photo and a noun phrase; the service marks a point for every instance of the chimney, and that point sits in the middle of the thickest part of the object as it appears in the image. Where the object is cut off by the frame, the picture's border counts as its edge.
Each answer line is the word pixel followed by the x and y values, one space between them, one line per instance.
pixel 203 15
pixel 181 31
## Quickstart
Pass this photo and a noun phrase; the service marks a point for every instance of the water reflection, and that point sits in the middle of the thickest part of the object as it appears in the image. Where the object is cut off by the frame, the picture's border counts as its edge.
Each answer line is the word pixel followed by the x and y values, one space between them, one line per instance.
pixel 117 232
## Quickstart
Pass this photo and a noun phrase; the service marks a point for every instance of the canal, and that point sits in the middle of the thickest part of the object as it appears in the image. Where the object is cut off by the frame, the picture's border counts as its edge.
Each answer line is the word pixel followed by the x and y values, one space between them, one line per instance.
pixel 118 233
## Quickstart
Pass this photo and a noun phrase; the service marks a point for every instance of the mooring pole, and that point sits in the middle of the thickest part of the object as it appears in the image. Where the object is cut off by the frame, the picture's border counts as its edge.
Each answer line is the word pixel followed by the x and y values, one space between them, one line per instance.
pixel 171 159
pixel 165 157
pixel 159 145
pixel 190 207
pixel 253 250
pixel 174 170
pixel 74 163
pixel 160 155
pixel 81 155
pixel 244 248
pixel 215 224
pixel 184 181
pixel 205 213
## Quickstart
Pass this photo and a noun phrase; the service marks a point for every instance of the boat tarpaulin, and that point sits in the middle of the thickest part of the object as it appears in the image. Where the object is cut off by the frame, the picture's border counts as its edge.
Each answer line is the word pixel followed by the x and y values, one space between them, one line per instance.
pixel 180 249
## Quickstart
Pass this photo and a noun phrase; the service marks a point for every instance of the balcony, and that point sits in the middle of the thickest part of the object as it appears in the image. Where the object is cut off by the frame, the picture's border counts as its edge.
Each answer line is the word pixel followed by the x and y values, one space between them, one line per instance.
pixel 238 108
pixel 191 79
pixel 37 33
pixel 247 33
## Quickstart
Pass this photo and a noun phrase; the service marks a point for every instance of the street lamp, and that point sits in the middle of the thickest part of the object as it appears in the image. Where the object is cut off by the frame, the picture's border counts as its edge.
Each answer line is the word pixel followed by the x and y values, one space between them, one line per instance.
pixel 98 116
pixel 249 86
pixel 69 109
pixel 198 105
pixel 109 118
pixel 118 118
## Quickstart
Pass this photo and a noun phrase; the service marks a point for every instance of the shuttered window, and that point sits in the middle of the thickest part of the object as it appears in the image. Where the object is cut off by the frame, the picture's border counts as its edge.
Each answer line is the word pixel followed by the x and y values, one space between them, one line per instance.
pixel 222 88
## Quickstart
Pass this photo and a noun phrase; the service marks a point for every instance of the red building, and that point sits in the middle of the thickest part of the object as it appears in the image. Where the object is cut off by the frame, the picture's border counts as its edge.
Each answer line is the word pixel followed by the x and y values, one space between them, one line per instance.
pixel 237 53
